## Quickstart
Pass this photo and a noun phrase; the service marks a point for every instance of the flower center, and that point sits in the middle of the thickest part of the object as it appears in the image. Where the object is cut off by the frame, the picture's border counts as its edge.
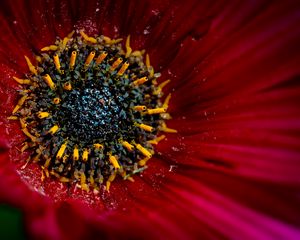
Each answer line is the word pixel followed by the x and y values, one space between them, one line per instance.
pixel 91 111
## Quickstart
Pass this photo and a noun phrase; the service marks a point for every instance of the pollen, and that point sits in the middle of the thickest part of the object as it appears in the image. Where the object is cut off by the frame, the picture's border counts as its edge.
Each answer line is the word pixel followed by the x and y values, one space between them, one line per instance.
pixel 92 111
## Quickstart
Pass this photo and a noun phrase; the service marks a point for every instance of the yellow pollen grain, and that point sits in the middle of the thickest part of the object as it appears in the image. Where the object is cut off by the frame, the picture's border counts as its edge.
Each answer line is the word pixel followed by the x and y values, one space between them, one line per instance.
pixel 139 108
pixel 113 160
pixel 143 150
pixel 49 48
pixel 62 150
pixel 128 48
pixel 87 38
pixel 42 115
pixel 127 145
pixel 123 68
pixel 53 130
pixel 145 127
pixel 89 58
pixel 157 140
pixel 156 111
pixel 49 81
pixel 140 81
pixel 19 104
pixel 30 66
pixel 101 57
pixel 56 62
pixel 73 59
pixel 85 155
pixel 67 86
pixel 115 64
pixel 75 153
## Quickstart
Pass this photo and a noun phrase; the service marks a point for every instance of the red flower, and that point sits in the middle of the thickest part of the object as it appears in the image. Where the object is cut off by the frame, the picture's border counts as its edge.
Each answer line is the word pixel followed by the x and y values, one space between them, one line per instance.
pixel 233 171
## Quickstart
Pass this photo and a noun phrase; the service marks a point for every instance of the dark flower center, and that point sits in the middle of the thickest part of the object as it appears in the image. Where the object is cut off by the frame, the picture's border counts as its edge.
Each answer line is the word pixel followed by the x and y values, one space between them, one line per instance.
pixel 91 111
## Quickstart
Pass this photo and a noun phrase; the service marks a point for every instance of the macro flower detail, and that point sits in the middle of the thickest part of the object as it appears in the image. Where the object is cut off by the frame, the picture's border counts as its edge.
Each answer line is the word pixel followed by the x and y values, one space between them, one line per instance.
pixel 91 110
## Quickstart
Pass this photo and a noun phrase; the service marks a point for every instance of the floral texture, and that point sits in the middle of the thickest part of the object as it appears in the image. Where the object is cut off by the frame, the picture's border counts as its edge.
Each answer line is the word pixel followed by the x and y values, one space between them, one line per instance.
pixel 233 169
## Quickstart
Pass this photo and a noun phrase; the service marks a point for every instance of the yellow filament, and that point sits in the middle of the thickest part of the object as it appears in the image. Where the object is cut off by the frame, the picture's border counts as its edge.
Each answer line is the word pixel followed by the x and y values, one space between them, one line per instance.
pixel 62 150
pixel 145 127
pixel 23 123
pixel 49 81
pixel 20 103
pixel 49 48
pixel 143 161
pixel 53 130
pixel 23 81
pixel 85 155
pixel 30 66
pixel 89 59
pixel 47 162
pixel 127 145
pixel 161 86
pixel 140 81
pixel 28 134
pixel 98 146
pixel 67 39
pixel 123 68
pixel 137 53
pixel 143 150
pixel 56 100
pixel 101 57
pixel 116 64
pixel 113 160
pixel 166 102
pixel 139 108
pixel 73 59
pixel 67 86
pixel 87 38
pixel 157 140
pixel 12 118
pixel 75 153
pixel 83 184
pixel 110 179
pixel 42 115
pixel 128 48
pixel 156 111
pixel 56 62
pixel 164 128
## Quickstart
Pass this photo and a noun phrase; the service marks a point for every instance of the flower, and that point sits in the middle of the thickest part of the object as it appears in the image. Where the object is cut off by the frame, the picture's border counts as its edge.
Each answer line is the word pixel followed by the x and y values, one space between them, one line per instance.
pixel 233 169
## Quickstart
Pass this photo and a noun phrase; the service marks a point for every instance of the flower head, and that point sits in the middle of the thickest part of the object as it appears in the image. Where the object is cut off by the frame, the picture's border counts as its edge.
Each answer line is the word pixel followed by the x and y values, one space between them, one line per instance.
pixel 232 171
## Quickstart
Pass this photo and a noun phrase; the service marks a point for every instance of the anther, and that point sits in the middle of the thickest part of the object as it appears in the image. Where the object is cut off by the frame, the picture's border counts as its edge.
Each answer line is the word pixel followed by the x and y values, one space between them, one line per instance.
pixel 164 128
pixel 30 66
pixel 166 102
pixel 57 62
pixel 87 38
pixel 127 145
pixel 62 150
pixel 67 86
pixel 56 100
pixel 23 81
pixel 49 81
pixel 143 150
pixel 19 104
pixel 128 48
pixel 101 57
pixel 53 129
pixel 85 155
pixel 145 127
pixel 157 140
pixel 140 81
pixel 49 48
pixel 42 115
pixel 73 59
pixel 139 108
pixel 113 160
pixel 156 111
pixel 89 59
pixel 28 134
pixel 75 153
pixel 115 64
pixel 98 146
pixel 123 69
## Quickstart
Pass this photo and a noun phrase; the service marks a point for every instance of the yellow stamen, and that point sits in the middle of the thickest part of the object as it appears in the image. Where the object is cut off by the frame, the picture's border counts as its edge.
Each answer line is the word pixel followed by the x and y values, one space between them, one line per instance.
pixel 38 58
pixel 127 145
pixel 42 115
pixel 128 48
pixel 73 59
pixel 149 67
pixel 30 66
pixel 56 62
pixel 157 140
pixel 123 68
pixel 115 64
pixel 98 146
pixel 113 160
pixel 89 59
pixel 161 86
pixel 12 118
pixel 62 150
pixel 101 57
pixel 166 102
pixel 85 155
pixel 23 123
pixel 164 128
pixel 53 130
pixel 47 163
pixel 139 108
pixel 23 81
pixel 143 150
pixel 110 41
pixel 75 153
pixel 87 38
pixel 83 184
pixel 19 104
pixel 156 111
pixel 49 81
pixel 143 161
pixel 26 146
pixel 67 86
pixel 145 127
pixel 140 81
pixel 110 179
pixel 49 48
pixel 56 100
pixel 28 134
pixel 137 53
